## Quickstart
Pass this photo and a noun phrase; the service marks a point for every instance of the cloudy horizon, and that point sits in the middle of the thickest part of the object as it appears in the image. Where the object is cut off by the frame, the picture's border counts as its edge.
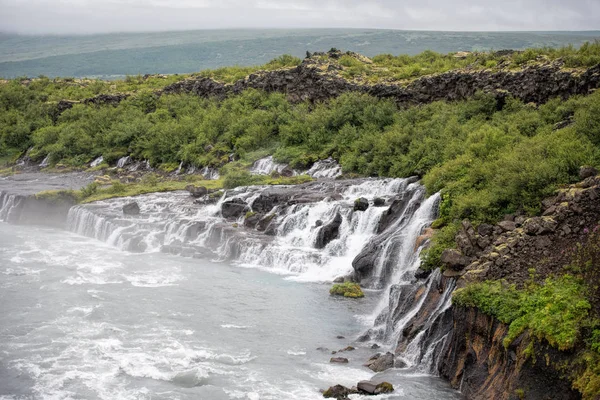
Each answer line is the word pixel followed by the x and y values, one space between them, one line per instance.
pixel 108 16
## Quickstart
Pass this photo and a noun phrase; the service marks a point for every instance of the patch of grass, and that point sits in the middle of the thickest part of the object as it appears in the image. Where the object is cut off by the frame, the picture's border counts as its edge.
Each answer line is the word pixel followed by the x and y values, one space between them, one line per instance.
pixel 347 289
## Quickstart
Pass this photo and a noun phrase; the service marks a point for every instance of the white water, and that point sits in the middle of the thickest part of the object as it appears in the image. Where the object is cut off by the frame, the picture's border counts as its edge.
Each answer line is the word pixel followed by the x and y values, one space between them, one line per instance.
pixel 45 162
pixel 327 168
pixel 123 161
pixel 266 166
pixel 97 162
pixel 172 223
pixel 210 173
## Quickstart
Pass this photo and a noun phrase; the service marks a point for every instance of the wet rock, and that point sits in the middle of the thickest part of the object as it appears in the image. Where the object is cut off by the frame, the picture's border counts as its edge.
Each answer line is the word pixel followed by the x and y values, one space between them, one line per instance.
pixel 339 279
pixel 372 388
pixel 338 360
pixel 379 202
pixel 329 232
pixel 361 204
pixel 252 220
pixel 318 223
pixel 400 363
pixel 196 191
pixel 587 172
pixel 453 259
pixel 338 392
pixel 394 212
pixel 195 229
pixel 234 208
pixel 264 222
pixel 375 346
pixel 131 209
pixel 420 273
pixel 380 362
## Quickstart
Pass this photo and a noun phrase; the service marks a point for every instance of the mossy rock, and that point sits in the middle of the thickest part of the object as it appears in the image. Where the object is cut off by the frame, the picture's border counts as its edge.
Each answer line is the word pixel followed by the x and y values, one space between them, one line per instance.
pixel 347 289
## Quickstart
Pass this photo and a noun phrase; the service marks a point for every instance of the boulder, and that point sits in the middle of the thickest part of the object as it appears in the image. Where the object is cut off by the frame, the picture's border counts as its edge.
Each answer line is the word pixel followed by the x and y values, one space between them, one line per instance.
pixel 507 226
pixel 420 273
pixel 131 209
pixel 380 362
pixel 539 225
pixel 372 388
pixel 234 208
pixel 485 229
pixel 453 259
pixel 361 204
pixel 378 202
pixel 196 191
pixel 586 172
pixel 338 360
pixel 338 392
pixel 329 232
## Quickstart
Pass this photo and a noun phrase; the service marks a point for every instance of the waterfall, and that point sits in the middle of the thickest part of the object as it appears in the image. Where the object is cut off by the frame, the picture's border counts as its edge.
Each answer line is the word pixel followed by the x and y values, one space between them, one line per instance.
pixel 327 168
pixel 123 161
pixel 209 173
pixel 10 207
pixel 45 162
pixel 411 318
pixel 97 162
pixel 179 169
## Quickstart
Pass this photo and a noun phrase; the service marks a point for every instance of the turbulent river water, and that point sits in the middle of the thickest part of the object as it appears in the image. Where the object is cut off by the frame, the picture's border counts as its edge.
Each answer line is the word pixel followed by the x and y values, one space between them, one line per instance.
pixel 82 318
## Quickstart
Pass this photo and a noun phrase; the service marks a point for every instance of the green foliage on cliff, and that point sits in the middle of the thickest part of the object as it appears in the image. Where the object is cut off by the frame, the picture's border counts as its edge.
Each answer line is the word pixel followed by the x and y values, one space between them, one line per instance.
pixel 347 289
pixel 557 311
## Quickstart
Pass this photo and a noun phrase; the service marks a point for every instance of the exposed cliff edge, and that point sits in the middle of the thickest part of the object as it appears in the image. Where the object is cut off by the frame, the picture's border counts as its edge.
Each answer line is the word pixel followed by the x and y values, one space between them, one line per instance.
pixel 316 80
pixel 481 358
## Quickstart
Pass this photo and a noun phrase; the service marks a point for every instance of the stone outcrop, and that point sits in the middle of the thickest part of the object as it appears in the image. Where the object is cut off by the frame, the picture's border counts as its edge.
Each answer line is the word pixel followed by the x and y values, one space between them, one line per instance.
pixel 477 362
pixel 328 232
pixel 316 79
pixel 131 208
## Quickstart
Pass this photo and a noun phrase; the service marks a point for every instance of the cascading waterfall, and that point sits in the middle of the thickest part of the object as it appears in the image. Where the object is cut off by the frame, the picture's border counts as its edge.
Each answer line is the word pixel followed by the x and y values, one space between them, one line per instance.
pixel 45 162
pixel 97 162
pixel 9 206
pixel 123 161
pixel 171 222
pixel 266 166
pixel 327 168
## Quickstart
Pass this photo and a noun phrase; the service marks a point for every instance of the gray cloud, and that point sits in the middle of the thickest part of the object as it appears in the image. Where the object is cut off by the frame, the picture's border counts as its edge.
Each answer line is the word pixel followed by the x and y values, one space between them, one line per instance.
pixel 90 16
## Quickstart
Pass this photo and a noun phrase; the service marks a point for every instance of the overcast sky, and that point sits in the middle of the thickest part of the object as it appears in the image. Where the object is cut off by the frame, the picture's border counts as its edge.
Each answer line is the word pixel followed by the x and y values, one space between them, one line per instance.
pixel 91 16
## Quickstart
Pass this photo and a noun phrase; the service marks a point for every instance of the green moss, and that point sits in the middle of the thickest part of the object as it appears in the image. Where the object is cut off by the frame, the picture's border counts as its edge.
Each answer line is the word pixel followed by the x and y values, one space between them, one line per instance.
pixel 59 196
pixel 250 214
pixel 347 289
pixel 384 387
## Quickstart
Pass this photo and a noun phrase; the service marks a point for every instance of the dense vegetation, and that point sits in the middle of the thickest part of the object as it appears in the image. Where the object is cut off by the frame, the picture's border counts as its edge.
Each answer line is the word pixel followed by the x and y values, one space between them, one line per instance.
pixel 347 289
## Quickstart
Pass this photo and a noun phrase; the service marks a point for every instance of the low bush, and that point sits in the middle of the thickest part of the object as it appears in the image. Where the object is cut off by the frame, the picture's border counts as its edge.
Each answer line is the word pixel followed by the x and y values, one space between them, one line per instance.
pixel 347 289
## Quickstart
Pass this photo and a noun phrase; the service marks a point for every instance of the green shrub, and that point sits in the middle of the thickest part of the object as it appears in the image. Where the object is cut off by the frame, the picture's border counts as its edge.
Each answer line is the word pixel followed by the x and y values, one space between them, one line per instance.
pixel 347 289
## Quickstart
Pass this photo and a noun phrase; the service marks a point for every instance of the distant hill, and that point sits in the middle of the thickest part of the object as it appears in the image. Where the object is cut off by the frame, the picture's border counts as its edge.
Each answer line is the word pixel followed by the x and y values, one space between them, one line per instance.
pixel 116 55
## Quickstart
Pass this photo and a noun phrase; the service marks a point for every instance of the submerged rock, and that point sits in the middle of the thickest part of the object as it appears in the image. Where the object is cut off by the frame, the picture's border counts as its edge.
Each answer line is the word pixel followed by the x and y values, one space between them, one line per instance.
pixel 338 360
pixel 131 209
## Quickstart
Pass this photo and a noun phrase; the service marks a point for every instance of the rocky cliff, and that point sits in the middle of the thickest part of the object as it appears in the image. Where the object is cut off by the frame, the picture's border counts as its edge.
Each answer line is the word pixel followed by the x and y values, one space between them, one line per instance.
pixel 317 79
pixel 475 359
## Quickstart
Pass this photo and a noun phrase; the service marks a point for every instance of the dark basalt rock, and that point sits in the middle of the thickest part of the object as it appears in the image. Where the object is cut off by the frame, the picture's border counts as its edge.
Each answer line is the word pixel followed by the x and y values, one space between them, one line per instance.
pixel 378 202
pixel 338 392
pixel 329 232
pixel 361 204
pixel 338 360
pixel 131 209
pixel 380 362
pixel 587 172
pixel 196 191
pixel 234 208
pixel 372 388
pixel 251 221
pixel 453 259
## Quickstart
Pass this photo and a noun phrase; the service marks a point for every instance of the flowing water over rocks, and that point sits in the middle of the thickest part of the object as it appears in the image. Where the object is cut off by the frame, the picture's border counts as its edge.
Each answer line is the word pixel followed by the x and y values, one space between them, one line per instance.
pixel 155 305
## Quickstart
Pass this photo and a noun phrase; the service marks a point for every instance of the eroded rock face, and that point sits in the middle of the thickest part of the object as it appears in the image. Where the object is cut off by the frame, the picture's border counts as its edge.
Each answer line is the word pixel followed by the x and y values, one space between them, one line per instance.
pixel 234 208
pixel 329 232
pixel 477 362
